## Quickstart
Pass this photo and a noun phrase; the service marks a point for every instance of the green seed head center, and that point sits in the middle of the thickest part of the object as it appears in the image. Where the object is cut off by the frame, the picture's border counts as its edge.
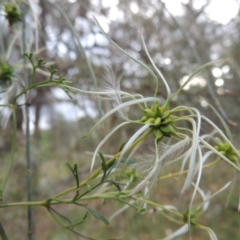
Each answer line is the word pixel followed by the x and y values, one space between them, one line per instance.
pixel 161 121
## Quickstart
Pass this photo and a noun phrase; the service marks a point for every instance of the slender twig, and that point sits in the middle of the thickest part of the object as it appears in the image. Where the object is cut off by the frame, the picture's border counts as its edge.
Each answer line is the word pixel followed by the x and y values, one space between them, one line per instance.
pixel 28 155
pixel 2 233
pixel 111 195
pixel 97 172
pixel 199 60
pixel 78 45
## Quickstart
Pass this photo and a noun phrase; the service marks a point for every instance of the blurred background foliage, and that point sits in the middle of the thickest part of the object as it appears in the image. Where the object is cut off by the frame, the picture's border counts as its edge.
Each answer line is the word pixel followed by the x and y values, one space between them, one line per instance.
pixel 180 37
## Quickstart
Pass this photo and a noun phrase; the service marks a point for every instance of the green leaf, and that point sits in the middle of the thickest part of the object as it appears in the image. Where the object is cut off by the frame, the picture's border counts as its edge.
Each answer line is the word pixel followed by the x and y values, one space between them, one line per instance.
pixel 74 171
pixel 97 214
pixel 28 55
pixel 116 184
pixel 104 165
pixel 122 146
pixel 53 211
pixel 12 14
pixel 142 211
pixel 68 166
pixel 89 187
pixel 51 69
pixel 40 62
pixel 111 164
pixel 67 92
pixel 118 195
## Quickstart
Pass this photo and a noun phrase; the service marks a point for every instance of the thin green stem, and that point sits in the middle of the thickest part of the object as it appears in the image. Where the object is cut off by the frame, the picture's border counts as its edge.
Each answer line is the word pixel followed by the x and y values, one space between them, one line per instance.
pixel 109 196
pixel 88 191
pixel 58 217
pixel 97 172
pixel 198 59
pixel 53 201
pixel 2 233
pixel 33 74
pixel 24 204
pixel 171 175
pixel 77 43
pixel 193 74
pixel 131 57
pixel 28 156
pixel 40 84
pixel 154 204
pixel 5 105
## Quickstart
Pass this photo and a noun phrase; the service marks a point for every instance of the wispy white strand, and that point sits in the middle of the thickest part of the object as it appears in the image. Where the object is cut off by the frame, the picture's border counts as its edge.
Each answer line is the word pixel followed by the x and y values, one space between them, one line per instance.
pixel 220 190
pixel 158 163
pixel 109 98
pixel 192 159
pixel 194 73
pixel 220 155
pixel 33 7
pixel 209 136
pixel 131 57
pixel 17 34
pixel 205 157
pixel 106 92
pixel 146 192
pixel 179 153
pixel 184 161
pixel 222 120
pixel 182 230
pixel 150 174
pixel 195 142
pixel 183 157
pixel 168 207
pixel 116 109
pixel 120 210
pixel 176 147
pixel 127 184
pixel 141 185
pixel 103 141
pixel 133 138
pixel 239 198
pixel 6 98
pixel 221 133
pixel 210 232
pixel 205 197
pixel 126 160
pixel 199 117
pixel 197 182
pixel 5 114
pixel 114 85
pixel 156 69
